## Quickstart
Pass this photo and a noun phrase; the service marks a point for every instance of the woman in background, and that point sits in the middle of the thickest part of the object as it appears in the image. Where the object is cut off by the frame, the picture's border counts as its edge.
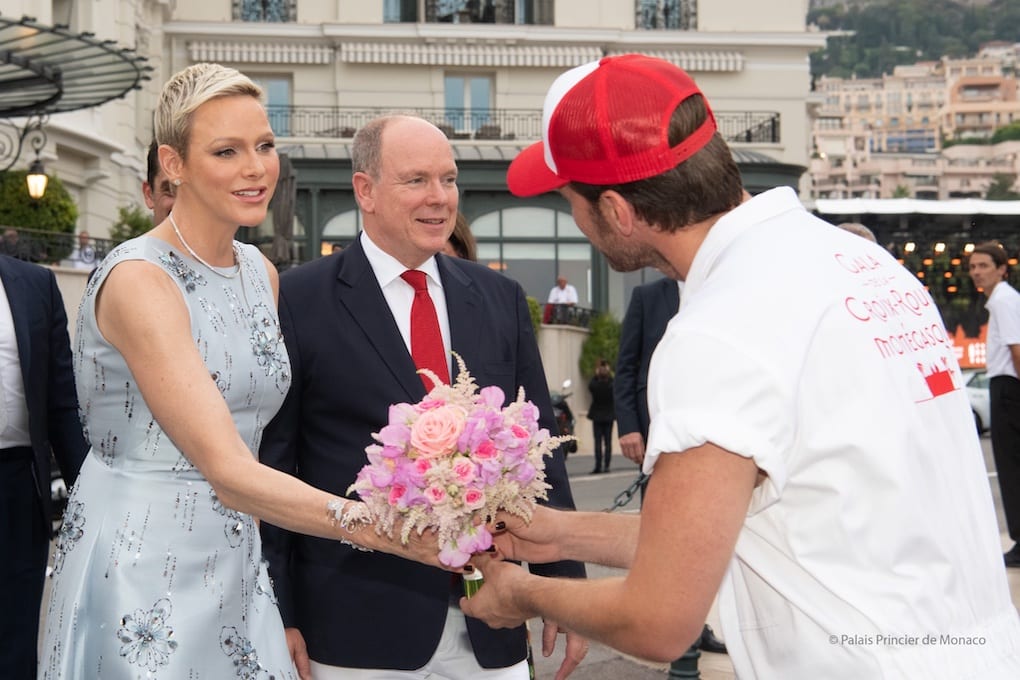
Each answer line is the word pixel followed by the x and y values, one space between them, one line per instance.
pixel 602 413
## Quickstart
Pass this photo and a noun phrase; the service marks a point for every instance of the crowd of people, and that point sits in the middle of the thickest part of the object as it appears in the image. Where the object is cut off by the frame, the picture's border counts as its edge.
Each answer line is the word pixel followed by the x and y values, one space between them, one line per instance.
pixel 828 487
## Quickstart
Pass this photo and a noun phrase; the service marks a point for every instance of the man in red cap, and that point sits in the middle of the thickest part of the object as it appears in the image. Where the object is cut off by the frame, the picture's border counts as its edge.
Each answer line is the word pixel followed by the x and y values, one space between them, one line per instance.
pixel 814 457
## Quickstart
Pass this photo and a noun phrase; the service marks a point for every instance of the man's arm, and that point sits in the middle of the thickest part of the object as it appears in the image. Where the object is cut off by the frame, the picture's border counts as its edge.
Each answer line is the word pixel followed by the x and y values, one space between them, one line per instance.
pixel 1014 354
pixel 692 515
pixel 65 431
pixel 625 386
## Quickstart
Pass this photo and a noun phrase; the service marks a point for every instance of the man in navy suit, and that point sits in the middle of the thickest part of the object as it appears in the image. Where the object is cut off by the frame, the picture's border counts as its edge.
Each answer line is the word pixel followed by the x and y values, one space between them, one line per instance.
pixel 38 415
pixel 345 318
pixel 651 307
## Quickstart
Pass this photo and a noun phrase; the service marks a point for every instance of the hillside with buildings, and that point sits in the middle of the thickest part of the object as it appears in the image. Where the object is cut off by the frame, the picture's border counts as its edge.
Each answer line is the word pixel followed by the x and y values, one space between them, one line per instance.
pixel 882 34
pixel 925 127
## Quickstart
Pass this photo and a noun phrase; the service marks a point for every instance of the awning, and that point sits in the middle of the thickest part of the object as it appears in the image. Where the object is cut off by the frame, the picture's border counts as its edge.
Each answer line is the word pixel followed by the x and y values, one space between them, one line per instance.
pixel 911 206
pixel 46 69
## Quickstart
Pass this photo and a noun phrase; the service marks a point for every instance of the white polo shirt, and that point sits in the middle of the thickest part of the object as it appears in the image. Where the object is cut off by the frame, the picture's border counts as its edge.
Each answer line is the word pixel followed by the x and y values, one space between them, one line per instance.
pixel 872 548
pixel 1003 329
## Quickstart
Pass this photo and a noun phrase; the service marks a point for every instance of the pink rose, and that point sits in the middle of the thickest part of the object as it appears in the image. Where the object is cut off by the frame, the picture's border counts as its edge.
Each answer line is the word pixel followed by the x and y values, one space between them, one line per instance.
pixel 435 494
pixel 485 450
pixel 463 471
pixel 397 492
pixel 474 498
pixel 435 432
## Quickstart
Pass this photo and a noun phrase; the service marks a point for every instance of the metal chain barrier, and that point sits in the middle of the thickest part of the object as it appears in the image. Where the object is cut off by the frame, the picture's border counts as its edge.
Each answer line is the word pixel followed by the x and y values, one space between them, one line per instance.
pixel 627 494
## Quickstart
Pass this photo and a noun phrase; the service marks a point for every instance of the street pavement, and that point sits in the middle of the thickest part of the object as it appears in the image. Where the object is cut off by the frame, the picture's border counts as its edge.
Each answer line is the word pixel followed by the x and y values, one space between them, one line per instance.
pixel 597 492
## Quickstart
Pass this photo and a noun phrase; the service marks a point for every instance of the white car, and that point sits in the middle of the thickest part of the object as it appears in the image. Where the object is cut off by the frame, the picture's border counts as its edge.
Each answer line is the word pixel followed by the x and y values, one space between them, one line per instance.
pixel 976 384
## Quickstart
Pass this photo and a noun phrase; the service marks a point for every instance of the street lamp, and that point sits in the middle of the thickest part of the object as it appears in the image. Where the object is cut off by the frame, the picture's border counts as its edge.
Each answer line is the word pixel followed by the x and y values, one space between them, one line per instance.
pixel 37 179
pixel 14 138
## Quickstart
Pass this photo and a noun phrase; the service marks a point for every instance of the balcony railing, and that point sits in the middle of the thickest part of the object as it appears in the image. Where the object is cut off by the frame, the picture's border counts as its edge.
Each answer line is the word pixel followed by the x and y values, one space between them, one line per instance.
pixel 485 124
pixel 567 315
pixel 49 247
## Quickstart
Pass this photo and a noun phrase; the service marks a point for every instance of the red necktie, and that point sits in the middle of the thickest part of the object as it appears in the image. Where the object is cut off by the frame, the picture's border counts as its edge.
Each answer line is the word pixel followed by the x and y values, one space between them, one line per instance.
pixel 426 340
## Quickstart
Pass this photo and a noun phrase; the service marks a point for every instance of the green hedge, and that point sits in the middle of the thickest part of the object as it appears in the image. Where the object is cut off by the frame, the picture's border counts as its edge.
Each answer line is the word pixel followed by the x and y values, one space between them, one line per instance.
pixel 602 343
pixel 55 211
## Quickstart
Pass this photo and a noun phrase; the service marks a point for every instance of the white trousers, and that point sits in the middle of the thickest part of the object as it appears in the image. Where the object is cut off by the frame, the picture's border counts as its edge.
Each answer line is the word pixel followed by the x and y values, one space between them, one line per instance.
pixel 453 660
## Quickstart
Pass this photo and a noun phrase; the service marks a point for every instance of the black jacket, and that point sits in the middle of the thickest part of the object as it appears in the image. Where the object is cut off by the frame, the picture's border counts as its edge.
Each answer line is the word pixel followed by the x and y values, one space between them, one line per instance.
pixel 349 363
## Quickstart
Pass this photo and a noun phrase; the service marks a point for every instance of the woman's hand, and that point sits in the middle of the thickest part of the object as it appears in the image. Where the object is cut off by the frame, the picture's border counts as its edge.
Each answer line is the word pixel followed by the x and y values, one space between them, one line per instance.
pixel 535 542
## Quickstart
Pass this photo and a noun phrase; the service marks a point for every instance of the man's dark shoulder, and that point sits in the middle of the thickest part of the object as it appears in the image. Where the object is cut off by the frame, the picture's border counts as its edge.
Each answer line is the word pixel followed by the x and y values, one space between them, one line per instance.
pixel 24 268
pixel 328 266
pixel 656 285
pixel 481 274
pixel 35 273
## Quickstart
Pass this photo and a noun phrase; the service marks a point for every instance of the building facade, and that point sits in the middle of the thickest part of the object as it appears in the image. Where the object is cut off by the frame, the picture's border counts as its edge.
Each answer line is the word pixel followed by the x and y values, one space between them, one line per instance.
pixel 885 137
pixel 477 68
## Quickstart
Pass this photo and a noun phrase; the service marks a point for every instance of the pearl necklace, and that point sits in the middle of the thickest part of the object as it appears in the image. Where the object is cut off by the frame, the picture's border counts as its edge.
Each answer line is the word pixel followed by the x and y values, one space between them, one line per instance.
pixel 191 251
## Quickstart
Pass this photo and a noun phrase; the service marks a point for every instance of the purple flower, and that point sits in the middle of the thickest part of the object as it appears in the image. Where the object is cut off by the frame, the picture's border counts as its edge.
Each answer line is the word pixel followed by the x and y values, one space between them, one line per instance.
pixel 377 476
pixel 458 552
pixel 492 396
pixel 395 436
pixel 524 473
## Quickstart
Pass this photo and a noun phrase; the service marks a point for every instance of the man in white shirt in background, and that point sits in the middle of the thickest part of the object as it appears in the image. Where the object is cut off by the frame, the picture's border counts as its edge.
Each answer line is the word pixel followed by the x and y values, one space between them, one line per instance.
pixel 988 271
pixel 562 293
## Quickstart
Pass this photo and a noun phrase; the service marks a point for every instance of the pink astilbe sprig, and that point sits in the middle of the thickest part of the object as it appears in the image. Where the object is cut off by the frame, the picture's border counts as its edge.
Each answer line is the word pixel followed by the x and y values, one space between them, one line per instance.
pixel 453 459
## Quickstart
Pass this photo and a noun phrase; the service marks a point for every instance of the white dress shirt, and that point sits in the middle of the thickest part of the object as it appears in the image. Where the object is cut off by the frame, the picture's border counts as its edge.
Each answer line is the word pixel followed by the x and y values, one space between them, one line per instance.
pixel 13 407
pixel 400 295
pixel 563 296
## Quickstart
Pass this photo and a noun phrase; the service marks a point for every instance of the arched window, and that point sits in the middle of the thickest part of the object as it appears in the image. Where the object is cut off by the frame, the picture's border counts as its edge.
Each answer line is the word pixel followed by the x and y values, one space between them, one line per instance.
pixel 341 229
pixel 533 245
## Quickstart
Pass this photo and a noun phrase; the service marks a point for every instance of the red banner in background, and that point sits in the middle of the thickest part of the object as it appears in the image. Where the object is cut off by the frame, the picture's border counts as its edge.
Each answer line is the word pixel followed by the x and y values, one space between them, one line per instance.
pixel 970 352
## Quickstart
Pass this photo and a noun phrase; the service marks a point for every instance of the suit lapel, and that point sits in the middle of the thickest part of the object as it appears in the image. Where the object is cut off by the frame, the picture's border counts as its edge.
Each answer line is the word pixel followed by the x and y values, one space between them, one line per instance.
pixel 359 293
pixel 464 306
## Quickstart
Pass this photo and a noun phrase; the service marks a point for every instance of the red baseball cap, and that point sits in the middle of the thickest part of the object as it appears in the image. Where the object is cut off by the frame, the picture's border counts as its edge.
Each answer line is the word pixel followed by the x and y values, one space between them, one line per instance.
pixel 607 122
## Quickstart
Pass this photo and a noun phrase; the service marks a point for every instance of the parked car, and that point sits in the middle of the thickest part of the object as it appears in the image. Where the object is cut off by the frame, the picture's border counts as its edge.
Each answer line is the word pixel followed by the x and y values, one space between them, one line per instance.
pixel 976 384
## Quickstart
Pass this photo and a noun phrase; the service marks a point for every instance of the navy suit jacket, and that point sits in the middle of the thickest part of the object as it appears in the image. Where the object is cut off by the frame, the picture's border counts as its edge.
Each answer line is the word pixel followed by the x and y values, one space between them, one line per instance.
pixel 651 307
pixel 349 363
pixel 40 325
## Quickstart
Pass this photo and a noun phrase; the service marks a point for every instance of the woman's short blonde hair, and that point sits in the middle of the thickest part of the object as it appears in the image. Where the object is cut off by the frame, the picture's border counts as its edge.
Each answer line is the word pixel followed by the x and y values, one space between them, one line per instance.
pixel 189 89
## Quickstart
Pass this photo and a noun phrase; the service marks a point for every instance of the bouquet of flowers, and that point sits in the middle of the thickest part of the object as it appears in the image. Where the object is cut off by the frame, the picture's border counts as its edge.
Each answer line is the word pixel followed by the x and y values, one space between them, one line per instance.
pixel 454 459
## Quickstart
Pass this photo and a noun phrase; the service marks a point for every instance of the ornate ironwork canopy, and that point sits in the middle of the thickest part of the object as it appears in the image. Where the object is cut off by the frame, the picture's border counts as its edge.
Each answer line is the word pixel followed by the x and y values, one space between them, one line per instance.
pixel 48 69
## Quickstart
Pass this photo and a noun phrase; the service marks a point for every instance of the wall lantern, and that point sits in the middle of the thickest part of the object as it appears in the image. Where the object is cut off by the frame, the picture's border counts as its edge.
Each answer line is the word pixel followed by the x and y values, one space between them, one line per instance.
pixel 37 179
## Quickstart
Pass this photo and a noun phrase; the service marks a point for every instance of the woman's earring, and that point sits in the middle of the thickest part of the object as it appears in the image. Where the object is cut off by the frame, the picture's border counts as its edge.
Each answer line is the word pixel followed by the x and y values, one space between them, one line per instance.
pixel 177 182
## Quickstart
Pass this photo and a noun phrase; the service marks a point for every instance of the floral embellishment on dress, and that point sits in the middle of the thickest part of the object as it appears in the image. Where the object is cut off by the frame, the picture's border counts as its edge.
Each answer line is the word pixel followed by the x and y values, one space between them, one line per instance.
pixel 234 528
pixel 147 636
pixel 268 346
pixel 182 270
pixel 243 654
pixel 71 531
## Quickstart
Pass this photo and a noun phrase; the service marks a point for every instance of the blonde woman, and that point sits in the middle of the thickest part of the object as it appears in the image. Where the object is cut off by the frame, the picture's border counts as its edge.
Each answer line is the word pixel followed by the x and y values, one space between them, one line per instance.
pixel 180 363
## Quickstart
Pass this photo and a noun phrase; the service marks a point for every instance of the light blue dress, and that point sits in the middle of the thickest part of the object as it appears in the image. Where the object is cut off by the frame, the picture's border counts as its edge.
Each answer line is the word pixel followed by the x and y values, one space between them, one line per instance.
pixel 153 577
